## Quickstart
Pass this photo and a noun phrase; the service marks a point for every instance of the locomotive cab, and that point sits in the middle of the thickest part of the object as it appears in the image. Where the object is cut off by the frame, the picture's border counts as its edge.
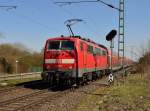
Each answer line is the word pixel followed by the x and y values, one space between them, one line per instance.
pixel 59 60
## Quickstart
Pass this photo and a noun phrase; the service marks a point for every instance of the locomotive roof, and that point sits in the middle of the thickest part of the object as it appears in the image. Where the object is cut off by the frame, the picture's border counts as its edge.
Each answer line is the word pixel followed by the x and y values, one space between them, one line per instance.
pixel 77 37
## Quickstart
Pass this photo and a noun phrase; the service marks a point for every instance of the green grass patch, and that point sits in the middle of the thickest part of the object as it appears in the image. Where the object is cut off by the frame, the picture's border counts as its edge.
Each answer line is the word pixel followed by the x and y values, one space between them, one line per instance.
pixel 133 94
pixel 17 81
pixel 129 94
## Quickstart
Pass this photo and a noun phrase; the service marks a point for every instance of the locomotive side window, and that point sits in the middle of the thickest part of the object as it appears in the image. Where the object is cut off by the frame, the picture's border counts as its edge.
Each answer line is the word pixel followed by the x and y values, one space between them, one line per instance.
pixel 81 46
pixel 94 50
pixel 90 49
pixel 54 45
pixel 67 45
pixel 103 53
pixel 98 51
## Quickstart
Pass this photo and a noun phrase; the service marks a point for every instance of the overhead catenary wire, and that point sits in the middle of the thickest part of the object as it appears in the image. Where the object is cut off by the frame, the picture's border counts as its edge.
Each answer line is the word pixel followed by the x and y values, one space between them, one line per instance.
pixel 64 10
pixel 25 17
pixel 87 1
pixel 8 6
pixel 93 28
pixel 33 21
pixel 90 28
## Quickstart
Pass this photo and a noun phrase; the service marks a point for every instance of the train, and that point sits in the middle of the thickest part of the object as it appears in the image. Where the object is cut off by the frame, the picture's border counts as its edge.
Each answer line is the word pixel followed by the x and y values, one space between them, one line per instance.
pixel 76 60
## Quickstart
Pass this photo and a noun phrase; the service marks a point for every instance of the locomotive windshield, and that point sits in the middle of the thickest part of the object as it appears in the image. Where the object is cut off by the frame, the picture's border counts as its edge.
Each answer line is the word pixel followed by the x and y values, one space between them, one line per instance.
pixel 61 45
pixel 67 45
pixel 54 45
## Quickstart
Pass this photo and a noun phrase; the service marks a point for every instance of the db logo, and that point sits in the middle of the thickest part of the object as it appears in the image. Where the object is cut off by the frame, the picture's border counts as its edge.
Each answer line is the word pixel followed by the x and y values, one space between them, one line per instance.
pixel 58 61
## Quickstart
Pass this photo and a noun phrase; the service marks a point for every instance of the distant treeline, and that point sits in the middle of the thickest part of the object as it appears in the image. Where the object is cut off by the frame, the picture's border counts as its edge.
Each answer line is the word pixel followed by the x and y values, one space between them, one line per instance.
pixel 144 61
pixel 17 58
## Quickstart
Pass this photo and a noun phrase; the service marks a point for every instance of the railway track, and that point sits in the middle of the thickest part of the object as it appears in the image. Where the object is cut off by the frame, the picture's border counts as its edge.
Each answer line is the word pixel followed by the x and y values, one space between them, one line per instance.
pixel 38 97
pixel 24 101
pixel 8 89
pixel 32 99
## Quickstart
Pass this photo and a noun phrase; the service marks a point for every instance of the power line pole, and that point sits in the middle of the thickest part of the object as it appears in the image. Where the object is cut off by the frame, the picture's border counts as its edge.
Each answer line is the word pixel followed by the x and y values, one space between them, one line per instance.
pixel 121 40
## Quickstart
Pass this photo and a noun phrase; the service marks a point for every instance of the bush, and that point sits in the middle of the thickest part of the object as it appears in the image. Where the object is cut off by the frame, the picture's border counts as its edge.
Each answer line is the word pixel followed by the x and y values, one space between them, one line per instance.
pixel 26 58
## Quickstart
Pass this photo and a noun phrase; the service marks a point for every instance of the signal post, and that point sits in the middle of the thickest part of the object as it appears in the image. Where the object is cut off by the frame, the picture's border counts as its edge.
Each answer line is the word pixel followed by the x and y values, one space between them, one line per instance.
pixel 110 37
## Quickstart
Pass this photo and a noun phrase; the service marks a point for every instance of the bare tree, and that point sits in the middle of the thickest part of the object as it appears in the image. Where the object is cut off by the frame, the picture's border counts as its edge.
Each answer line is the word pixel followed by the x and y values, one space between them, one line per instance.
pixel 144 61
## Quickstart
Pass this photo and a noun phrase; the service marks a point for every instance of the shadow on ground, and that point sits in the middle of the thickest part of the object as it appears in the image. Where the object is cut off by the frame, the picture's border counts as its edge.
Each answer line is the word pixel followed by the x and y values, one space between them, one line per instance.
pixel 40 85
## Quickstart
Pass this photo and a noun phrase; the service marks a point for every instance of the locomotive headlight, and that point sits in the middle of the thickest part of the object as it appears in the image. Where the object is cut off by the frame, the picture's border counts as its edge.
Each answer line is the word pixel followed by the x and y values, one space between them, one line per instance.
pixel 70 67
pixel 47 67
pixel 46 74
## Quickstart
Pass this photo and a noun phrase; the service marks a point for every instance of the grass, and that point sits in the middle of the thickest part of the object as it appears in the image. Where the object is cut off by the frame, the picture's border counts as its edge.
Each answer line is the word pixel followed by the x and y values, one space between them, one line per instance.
pixel 130 94
pixel 18 81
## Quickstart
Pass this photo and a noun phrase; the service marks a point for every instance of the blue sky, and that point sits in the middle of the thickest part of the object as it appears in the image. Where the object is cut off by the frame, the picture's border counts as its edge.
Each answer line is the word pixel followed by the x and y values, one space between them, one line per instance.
pixel 36 20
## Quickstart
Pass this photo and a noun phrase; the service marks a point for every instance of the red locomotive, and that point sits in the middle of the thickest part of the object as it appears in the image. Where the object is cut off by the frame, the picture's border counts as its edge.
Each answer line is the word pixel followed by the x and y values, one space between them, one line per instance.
pixel 74 59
